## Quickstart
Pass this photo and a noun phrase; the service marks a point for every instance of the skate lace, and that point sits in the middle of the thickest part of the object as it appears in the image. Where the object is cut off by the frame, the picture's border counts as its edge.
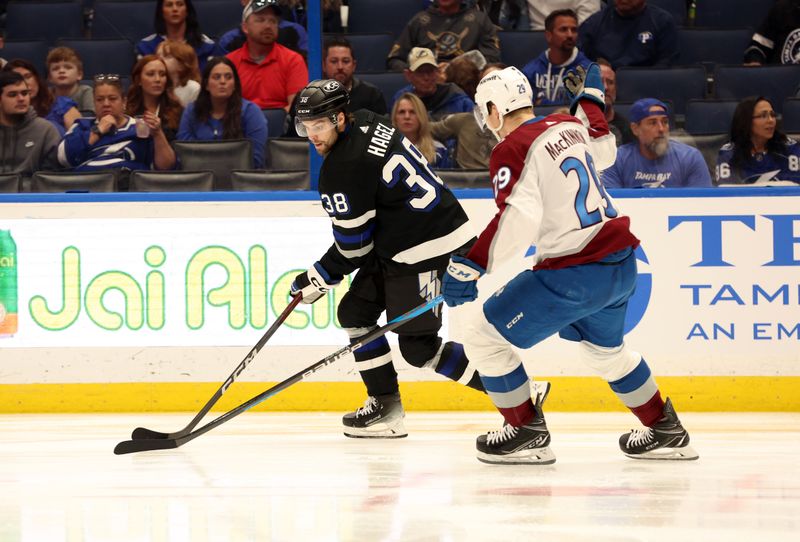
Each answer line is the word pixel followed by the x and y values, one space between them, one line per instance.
pixel 506 433
pixel 640 436
pixel 370 405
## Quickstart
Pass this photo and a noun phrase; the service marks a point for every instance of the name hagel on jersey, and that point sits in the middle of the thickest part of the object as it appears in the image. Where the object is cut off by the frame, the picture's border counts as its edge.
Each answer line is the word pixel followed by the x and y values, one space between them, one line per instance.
pixel 383 197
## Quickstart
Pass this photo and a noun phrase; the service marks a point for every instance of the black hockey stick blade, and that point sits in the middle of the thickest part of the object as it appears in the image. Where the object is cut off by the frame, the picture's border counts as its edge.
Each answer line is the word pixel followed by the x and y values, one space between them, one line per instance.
pixel 143 445
pixel 144 433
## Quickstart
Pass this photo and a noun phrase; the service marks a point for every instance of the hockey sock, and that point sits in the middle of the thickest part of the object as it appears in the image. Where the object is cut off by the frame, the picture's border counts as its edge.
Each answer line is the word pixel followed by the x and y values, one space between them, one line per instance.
pixel 374 364
pixel 639 392
pixel 453 363
pixel 511 394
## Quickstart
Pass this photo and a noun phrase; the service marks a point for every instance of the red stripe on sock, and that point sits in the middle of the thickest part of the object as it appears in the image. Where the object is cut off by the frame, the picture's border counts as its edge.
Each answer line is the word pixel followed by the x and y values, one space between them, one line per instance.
pixel 520 414
pixel 650 412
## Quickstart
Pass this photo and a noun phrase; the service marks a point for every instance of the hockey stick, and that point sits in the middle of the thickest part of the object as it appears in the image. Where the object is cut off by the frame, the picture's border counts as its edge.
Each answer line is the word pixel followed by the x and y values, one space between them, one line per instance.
pixel 141 445
pixel 143 433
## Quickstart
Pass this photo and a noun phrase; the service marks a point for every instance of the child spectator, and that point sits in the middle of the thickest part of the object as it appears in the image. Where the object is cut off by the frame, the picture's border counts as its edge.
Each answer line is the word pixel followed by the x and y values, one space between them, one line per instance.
pixel 60 110
pixel 151 92
pixel 410 117
pixel 65 71
pixel 182 68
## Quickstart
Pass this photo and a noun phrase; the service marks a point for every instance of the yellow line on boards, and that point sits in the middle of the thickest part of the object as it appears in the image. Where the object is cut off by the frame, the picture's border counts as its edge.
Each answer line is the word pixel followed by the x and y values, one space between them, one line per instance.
pixel 569 394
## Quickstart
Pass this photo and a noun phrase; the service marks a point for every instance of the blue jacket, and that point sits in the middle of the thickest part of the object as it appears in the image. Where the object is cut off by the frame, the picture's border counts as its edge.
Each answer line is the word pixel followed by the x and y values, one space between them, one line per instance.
pixel 682 167
pixel 254 128
pixel 205 51
pixel 787 165
pixel 118 150
pixel 547 78
pixel 447 99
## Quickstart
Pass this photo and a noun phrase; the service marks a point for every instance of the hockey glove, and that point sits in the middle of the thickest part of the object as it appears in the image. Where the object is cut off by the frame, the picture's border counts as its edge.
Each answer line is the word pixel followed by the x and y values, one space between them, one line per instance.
pixel 585 83
pixel 313 284
pixel 460 283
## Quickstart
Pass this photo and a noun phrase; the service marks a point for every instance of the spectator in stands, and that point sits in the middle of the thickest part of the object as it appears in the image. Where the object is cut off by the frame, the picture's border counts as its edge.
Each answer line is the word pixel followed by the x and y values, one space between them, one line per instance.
pixel 618 124
pixel 630 33
pixel 473 144
pixel 65 71
pixel 60 110
pixel 27 143
pixel 655 161
pixel 220 112
pixel 777 40
pixel 538 10
pixel 112 139
pixel 270 73
pixel 331 14
pixel 546 71
pixel 757 149
pixel 339 62
pixel 464 72
pixel 440 99
pixel 409 116
pixel 151 92
pixel 182 68
pixel 448 27
pixel 177 20
pixel 291 35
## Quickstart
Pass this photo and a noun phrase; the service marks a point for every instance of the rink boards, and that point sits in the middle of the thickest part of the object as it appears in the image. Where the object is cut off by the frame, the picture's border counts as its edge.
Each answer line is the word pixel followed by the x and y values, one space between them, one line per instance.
pixel 149 301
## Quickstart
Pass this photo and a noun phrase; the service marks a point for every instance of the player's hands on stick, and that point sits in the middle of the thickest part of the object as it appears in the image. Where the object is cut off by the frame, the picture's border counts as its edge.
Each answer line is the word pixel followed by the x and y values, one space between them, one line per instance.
pixel 313 284
pixel 585 83
pixel 460 283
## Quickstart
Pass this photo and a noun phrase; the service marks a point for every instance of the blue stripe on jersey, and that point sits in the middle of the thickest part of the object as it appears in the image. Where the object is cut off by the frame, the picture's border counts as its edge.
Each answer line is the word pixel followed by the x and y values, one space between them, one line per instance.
pixel 633 380
pixel 363 237
pixel 507 382
pixel 456 353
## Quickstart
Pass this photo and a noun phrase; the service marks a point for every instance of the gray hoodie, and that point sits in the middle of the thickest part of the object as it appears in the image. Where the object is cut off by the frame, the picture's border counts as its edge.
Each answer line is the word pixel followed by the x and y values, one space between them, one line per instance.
pixel 28 146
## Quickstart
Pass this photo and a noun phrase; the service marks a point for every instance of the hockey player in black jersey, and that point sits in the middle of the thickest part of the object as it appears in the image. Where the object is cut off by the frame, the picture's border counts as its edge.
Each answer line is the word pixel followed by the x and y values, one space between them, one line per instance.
pixel 397 224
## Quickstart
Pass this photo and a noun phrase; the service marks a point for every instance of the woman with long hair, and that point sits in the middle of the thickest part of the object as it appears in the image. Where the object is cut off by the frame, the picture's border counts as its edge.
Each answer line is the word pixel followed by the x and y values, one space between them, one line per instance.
pixel 61 111
pixel 757 147
pixel 411 118
pixel 183 69
pixel 220 112
pixel 177 20
pixel 151 92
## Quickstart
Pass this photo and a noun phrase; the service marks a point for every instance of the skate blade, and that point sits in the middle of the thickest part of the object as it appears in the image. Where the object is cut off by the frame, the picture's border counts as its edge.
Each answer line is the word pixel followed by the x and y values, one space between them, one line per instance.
pixel 686 453
pixel 534 456
pixel 379 430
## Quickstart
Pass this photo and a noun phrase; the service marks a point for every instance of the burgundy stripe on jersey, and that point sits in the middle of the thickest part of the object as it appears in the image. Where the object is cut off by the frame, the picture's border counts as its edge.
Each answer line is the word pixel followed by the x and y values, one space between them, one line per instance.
pixel 613 236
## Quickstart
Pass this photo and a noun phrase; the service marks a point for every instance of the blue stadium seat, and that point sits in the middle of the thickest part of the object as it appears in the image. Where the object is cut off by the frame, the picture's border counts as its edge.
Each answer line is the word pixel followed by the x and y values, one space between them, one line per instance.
pixel 388 82
pixel 676 8
pixel 218 16
pixel 678 84
pixel 731 13
pixel 712 45
pixel 370 50
pixel 275 121
pixel 130 20
pixel 519 48
pixel 103 56
pixel 47 21
pixel 791 115
pixel 365 16
pixel 709 116
pixel 776 82
pixel 34 52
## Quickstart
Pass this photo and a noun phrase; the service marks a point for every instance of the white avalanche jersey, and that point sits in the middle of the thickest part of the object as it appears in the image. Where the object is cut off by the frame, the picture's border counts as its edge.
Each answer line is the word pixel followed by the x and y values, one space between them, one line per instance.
pixel 548 194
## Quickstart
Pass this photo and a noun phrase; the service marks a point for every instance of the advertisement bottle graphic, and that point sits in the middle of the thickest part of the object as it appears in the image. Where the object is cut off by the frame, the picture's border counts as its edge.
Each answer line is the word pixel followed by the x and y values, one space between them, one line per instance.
pixel 8 284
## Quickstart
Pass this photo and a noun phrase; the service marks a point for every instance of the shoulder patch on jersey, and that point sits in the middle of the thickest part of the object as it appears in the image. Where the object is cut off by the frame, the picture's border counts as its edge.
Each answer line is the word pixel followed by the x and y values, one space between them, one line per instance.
pixel 364 129
pixel 727 147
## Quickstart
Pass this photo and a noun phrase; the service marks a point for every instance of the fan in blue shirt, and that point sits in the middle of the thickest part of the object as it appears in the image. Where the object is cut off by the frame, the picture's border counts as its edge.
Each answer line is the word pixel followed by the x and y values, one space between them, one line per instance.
pixel 655 161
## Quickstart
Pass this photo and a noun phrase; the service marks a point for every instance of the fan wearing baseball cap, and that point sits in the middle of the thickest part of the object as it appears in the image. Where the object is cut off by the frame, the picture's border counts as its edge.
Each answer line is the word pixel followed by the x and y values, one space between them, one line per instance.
pixel 655 160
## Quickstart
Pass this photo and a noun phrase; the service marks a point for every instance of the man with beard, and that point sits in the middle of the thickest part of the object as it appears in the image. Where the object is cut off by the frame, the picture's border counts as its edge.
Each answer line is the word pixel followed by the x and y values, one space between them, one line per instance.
pixel 546 72
pixel 270 73
pixel 27 142
pixel 655 161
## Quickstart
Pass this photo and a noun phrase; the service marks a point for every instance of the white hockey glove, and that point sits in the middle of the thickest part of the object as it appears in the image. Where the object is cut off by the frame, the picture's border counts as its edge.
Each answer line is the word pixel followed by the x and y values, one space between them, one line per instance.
pixel 313 284
pixel 585 83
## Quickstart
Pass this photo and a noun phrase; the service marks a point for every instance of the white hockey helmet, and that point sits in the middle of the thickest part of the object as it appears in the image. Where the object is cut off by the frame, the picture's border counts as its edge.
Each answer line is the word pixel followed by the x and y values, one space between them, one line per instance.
pixel 508 89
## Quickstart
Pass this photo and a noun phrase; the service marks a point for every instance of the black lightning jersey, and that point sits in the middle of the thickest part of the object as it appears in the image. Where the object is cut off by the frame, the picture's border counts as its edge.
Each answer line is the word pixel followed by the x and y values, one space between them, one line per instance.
pixel 384 199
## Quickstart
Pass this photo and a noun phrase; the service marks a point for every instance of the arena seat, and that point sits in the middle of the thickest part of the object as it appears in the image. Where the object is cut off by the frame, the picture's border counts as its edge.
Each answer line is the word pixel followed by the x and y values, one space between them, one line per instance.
pixel 288 153
pixel 35 20
pixel 791 115
pixel 712 45
pixel 707 144
pixel 464 178
pixel 220 157
pixel 34 51
pixel 709 116
pixel 370 51
pixel 72 181
pixel 10 183
pixel 103 55
pixel 255 180
pixel 678 84
pixel 676 8
pixel 276 121
pixel 365 16
pixel 388 82
pixel 129 20
pixel 517 48
pixel 171 181
pixel 774 82
pixel 218 16
pixel 731 13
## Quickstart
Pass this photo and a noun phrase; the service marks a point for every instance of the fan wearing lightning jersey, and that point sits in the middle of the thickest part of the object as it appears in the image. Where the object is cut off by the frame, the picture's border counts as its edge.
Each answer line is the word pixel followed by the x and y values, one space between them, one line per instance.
pixel 397 224
pixel 544 172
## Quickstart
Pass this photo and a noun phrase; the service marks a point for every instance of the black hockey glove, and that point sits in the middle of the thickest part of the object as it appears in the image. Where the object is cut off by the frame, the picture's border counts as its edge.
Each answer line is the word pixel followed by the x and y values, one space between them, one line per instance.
pixel 313 284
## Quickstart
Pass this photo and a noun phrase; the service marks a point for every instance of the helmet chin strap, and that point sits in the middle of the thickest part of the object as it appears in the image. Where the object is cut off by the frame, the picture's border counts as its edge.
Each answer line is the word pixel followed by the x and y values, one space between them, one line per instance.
pixel 496 131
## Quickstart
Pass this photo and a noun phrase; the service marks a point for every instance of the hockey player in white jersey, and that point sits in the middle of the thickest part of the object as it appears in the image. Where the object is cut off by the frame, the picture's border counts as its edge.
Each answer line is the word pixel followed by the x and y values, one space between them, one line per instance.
pixel 548 194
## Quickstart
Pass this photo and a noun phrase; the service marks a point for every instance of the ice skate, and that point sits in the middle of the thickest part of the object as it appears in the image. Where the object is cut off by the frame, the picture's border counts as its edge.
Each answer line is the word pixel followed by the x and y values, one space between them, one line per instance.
pixel 380 417
pixel 667 439
pixel 526 445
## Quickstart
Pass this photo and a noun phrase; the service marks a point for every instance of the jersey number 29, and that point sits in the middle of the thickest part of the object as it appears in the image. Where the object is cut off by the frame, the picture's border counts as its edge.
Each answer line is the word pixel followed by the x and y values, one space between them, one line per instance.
pixel 587 183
